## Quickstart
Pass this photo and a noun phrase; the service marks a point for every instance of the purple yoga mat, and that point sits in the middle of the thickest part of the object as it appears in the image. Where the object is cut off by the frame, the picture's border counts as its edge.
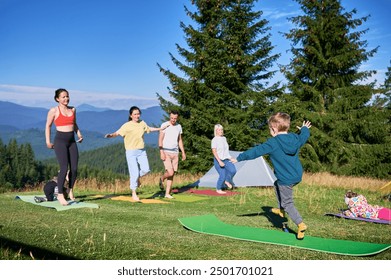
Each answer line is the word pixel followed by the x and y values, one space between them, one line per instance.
pixel 340 215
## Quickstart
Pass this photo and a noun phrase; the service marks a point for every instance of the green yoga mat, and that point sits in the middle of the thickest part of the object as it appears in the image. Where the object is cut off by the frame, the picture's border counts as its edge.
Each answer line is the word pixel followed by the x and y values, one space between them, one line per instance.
pixel 210 224
pixel 56 204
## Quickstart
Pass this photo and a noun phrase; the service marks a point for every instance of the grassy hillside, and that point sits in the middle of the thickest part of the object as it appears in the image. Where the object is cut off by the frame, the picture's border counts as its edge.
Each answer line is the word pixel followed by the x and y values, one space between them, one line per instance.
pixel 121 230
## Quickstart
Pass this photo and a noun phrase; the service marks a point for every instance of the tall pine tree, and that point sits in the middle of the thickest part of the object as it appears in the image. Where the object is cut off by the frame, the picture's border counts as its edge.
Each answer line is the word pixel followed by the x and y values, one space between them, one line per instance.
pixel 224 77
pixel 383 99
pixel 326 81
pixel 18 168
pixel 387 88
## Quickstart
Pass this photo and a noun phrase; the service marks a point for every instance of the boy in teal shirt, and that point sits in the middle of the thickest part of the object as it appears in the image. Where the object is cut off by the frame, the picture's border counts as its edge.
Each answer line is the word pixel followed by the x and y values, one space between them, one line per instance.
pixel 283 149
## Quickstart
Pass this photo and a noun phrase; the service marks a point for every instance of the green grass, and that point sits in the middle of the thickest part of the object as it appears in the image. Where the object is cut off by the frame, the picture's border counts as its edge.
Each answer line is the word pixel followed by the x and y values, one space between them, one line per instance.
pixel 121 230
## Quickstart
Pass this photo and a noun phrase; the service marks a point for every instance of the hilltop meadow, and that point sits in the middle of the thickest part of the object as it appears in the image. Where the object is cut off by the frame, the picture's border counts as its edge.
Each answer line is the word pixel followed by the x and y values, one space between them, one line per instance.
pixel 122 230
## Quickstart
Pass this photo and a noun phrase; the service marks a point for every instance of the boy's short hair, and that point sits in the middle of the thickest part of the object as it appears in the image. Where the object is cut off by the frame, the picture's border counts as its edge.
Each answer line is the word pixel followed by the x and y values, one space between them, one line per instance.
pixel 280 121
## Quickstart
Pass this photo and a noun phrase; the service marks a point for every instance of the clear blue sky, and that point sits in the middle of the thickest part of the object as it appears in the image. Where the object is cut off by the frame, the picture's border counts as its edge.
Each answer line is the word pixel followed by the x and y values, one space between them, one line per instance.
pixel 105 52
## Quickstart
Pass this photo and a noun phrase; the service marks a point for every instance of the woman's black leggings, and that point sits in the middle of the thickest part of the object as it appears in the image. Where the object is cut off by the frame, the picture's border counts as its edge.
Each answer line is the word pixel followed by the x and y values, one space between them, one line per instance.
pixel 67 155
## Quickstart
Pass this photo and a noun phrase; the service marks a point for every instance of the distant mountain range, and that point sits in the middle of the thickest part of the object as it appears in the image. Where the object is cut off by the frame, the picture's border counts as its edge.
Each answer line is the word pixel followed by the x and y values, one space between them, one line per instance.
pixel 27 125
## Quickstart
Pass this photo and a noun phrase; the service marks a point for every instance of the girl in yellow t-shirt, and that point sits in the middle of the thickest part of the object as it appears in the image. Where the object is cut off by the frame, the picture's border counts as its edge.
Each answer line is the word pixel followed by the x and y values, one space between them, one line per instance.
pixel 136 156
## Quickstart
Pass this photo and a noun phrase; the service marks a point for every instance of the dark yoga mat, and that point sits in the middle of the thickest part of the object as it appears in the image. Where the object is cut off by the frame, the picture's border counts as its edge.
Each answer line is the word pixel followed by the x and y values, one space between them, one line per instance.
pixel 340 215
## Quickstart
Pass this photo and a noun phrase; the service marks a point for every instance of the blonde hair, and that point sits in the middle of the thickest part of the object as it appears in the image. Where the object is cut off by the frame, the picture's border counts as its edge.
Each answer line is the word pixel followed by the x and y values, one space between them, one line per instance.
pixel 280 121
pixel 217 126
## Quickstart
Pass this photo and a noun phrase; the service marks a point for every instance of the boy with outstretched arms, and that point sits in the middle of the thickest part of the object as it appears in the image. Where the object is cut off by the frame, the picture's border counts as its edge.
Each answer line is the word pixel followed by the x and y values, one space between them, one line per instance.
pixel 283 149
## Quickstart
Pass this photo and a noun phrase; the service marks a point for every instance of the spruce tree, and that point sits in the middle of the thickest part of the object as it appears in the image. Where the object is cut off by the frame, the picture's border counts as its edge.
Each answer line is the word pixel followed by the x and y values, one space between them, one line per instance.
pixel 18 168
pixel 387 88
pixel 328 87
pixel 224 78
pixel 382 101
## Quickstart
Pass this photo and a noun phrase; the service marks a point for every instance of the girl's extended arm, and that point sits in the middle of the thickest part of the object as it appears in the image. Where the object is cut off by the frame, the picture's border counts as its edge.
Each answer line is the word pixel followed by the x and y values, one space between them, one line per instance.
pixel 112 135
pixel 152 129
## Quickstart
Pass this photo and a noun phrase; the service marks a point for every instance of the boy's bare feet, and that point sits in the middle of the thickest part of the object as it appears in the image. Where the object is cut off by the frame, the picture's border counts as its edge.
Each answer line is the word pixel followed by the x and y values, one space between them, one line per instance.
pixel 61 199
pixel 221 192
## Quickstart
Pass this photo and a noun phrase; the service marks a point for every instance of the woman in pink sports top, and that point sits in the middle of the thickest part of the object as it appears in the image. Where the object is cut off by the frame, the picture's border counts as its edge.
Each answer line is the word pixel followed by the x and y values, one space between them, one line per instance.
pixel 64 117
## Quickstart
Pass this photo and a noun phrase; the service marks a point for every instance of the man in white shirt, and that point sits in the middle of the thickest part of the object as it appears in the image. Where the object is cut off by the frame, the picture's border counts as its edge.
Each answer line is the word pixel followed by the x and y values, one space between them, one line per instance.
pixel 170 142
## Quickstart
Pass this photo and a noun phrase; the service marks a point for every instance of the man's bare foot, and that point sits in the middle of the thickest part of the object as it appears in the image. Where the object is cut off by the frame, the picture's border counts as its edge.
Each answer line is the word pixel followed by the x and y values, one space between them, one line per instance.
pixel 221 192
pixel 61 199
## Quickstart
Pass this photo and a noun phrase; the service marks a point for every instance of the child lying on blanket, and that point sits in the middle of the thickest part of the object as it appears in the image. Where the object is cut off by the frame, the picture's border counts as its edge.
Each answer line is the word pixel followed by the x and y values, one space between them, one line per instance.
pixel 358 207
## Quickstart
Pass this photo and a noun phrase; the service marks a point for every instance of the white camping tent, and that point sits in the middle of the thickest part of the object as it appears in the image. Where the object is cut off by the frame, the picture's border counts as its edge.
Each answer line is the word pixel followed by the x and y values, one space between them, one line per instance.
pixel 250 173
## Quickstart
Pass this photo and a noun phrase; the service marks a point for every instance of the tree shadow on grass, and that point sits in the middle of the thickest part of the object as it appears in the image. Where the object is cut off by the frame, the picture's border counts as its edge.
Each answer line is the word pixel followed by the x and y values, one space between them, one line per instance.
pixel 274 219
pixel 157 194
pixel 93 197
pixel 19 248
pixel 184 189
pixel 161 193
